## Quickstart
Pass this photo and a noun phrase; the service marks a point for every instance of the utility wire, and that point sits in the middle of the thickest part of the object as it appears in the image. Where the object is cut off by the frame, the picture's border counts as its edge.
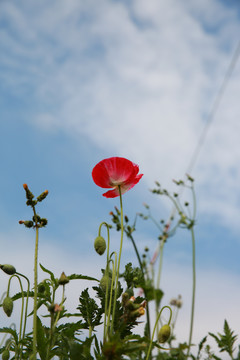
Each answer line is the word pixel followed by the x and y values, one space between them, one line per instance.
pixel 209 121
pixel 214 108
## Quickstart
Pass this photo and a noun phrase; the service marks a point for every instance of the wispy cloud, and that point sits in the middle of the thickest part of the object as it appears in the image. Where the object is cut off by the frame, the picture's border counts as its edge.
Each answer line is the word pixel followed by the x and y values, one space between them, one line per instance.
pixel 137 80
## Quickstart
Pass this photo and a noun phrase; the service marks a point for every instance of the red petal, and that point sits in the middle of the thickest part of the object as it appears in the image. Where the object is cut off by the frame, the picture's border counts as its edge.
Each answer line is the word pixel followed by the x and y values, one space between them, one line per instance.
pixel 113 171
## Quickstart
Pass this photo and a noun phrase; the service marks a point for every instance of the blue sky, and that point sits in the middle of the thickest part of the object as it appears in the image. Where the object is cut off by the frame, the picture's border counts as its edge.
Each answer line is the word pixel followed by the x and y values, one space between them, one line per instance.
pixel 80 82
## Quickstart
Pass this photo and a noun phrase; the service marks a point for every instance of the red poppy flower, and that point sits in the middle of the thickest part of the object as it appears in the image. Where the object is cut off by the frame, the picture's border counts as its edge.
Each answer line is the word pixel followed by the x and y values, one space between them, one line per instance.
pixel 114 172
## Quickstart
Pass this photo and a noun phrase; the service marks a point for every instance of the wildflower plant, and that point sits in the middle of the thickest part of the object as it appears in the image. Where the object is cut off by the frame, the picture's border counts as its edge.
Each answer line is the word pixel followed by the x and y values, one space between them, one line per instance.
pixel 121 298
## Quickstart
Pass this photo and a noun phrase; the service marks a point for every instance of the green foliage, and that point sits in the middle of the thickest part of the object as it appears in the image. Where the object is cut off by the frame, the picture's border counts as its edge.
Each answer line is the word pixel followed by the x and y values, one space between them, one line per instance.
pixel 89 310
pixel 112 306
pixel 226 340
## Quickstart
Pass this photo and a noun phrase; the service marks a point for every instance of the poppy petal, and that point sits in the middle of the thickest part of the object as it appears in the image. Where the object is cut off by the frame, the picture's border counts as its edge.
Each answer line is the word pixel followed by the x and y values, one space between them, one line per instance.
pixel 114 172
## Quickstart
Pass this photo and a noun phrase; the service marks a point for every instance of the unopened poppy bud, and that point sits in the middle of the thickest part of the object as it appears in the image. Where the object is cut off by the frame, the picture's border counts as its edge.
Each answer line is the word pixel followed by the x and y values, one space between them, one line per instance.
pixel 137 313
pixel 28 223
pixel 29 194
pixel 100 245
pixel 41 288
pixel 63 280
pixel 42 196
pixel 43 222
pixel 8 306
pixel 57 308
pixel 5 354
pixel 141 311
pixel 164 333
pixel 105 280
pixel 8 269
pixel 51 308
pixel 125 298
pixel 190 178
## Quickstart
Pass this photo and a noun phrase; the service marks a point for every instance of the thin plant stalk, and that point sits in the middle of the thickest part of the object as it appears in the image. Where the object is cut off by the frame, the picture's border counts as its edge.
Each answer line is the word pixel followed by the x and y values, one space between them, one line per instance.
pixel 193 289
pixel 141 267
pixel 119 258
pixel 25 314
pixel 35 291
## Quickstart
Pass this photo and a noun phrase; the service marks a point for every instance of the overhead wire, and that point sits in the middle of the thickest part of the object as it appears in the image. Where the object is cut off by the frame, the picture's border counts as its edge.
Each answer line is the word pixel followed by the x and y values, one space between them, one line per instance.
pixel 206 127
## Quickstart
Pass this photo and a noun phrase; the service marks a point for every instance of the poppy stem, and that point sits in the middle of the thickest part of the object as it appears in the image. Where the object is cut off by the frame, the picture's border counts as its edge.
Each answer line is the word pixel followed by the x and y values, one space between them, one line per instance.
pixel 119 259
pixel 193 289
pixel 158 317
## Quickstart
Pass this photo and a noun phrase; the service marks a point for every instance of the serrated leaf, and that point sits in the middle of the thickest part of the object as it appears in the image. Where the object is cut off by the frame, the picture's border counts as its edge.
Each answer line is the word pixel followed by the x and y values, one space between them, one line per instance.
pixel 41 340
pixel 81 277
pixel 11 332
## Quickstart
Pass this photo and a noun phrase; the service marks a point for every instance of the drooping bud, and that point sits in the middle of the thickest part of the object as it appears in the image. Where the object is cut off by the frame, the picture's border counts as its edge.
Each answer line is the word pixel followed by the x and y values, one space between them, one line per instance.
pixel 105 280
pixel 5 354
pixel 8 269
pixel 8 306
pixel 63 280
pixel 100 245
pixel 164 333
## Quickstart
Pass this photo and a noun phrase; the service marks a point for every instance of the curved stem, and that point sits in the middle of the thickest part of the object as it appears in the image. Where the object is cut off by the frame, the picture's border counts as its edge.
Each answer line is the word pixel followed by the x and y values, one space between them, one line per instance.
pixel 158 317
pixel 25 314
pixel 193 289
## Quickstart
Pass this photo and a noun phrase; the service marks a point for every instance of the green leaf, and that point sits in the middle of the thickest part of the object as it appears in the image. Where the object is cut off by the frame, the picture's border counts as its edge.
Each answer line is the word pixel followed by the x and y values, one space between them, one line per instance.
pixel 41 340
pixel 81 277
pixel 225 341
pixel 89 309
pixel 49 272
pixel 11 332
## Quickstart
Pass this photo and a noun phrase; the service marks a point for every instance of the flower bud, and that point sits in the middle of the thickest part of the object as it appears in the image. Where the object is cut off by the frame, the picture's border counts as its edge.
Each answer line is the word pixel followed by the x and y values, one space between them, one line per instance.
pixel 29 194
pixel 100 245
pixel 42 196
pixel 8 306
pixel 164 333
pixel 104 281
pixel 63 280
pixel 5 354
pixel 8 269
pixel 41 288
pixel 125 298
pixel 28 223
pixel 51 308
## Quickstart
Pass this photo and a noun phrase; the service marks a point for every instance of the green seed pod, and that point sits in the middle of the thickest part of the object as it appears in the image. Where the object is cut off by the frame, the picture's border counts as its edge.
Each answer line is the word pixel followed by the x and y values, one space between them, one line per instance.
pixel 100 245
pixel 164 333
pixel 8 269
pixel 63 280
pixel 5 354
pixel 8 306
